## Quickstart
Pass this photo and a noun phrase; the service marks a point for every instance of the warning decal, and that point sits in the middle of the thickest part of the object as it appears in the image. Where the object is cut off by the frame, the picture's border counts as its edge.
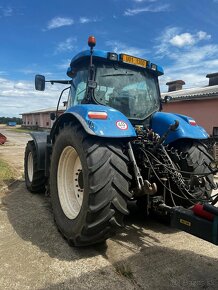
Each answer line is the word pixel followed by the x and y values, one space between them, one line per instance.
pixel 122 125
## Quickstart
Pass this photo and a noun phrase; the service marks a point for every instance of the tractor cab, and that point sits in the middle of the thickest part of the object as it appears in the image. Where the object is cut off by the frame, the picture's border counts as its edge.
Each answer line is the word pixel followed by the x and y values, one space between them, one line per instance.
pixel 126 83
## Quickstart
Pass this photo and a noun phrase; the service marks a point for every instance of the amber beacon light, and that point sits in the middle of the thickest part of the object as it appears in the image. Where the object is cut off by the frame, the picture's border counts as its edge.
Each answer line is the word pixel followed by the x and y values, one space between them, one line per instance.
pixel 91 41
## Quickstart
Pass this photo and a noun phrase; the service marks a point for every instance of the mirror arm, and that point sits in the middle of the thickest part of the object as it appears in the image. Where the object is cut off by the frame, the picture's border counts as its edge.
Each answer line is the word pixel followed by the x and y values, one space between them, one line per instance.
pixel 67 82
pixel 60 100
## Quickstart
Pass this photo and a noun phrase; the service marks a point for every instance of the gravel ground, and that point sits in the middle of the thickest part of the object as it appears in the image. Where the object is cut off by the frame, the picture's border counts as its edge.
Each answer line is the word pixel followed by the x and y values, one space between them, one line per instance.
pixel 146 255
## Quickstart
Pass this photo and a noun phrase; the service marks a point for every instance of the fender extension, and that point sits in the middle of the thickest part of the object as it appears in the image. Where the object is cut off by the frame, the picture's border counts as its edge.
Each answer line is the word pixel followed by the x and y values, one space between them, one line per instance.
pixel 40 140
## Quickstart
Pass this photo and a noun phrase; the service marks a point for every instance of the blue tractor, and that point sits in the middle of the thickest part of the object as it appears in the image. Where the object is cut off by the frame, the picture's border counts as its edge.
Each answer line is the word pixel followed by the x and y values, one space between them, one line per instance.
pixel 113 145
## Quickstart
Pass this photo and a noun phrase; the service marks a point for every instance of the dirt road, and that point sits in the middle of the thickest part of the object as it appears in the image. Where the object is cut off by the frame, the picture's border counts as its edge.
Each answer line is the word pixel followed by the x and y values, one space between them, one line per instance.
pixel 146 255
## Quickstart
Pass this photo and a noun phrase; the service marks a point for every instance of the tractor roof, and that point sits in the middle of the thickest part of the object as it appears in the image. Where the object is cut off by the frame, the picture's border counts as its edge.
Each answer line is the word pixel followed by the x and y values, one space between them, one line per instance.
pixel 111 56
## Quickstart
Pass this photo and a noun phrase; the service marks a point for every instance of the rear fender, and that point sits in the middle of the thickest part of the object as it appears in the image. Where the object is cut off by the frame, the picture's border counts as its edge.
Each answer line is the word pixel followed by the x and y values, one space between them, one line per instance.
pixel 40 140
pixel 161 121
pixel 116 125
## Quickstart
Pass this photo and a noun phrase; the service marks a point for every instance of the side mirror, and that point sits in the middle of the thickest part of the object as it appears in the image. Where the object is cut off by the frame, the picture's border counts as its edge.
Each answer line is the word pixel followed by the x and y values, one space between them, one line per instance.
pixel 39 82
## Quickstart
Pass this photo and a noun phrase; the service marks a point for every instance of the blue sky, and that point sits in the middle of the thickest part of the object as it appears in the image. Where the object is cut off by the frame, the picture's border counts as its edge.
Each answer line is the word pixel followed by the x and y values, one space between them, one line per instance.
pixel 43 36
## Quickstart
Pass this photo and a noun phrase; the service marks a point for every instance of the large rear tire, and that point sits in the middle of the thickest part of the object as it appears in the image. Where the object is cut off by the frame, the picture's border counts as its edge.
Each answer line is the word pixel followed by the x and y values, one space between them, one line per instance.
pixel 34 178
pixel 196 160
pixel 89 185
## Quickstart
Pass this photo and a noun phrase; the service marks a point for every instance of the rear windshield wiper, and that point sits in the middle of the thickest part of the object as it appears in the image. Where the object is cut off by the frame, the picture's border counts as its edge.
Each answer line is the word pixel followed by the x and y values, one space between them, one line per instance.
pixel 116 75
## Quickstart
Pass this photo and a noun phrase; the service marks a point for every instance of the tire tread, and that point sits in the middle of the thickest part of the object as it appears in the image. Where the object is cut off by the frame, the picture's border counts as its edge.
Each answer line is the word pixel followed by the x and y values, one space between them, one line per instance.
pixel 37 185
pixel 108 187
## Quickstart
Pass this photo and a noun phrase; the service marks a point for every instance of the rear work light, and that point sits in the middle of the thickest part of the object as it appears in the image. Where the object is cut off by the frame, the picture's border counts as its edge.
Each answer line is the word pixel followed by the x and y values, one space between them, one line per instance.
pixel 112 56
pixel 153 66
pixel 97 115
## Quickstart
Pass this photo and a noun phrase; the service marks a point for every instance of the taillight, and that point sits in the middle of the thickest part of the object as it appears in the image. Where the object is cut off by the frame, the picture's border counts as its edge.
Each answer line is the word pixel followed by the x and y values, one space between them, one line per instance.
pixel 97 115
pixel 192 122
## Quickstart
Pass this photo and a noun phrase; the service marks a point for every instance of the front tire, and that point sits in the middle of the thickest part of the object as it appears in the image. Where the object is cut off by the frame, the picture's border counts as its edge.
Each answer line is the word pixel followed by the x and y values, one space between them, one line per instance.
pixel 34 178
pixel 89 184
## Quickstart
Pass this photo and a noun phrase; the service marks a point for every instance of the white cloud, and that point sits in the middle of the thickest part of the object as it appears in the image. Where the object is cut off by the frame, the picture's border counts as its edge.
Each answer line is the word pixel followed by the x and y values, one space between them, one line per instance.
pixel 196 55
pixel 201 35
pixel 2 72
pixel 64 65
pixel 185 39
pixel 162 48
pixel 33 72
pixel 59 22
pixel 68 45
pixel 64 21
pixel 6 11
pixel 172 37
pixel 150 8
pixel 85 20
pixel 120 47
pixel 190 59
pixel 17 97
pixel 27 71
pixel 182 40
pixel 192 79
pixel 22 86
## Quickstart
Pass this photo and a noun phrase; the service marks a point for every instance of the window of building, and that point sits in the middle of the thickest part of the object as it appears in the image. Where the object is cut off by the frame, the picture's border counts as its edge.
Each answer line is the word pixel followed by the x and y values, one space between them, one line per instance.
pixel 215 131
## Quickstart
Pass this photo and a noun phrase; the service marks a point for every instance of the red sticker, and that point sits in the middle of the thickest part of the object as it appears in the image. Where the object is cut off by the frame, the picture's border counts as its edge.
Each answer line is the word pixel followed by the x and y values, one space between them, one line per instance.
pixel 122 125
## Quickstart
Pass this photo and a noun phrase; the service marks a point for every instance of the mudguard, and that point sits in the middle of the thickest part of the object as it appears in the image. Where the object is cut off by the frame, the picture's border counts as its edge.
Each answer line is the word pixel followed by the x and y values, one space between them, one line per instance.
pixel 188 128
pixel 40 140
pixel 115 125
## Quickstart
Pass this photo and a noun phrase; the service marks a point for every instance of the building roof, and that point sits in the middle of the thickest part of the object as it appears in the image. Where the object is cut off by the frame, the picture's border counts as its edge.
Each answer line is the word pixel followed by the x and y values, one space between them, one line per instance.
pixel 193 93
pixel 47 110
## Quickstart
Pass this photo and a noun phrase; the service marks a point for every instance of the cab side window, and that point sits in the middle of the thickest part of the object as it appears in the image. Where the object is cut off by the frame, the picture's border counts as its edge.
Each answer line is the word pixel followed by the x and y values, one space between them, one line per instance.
pixel 78 88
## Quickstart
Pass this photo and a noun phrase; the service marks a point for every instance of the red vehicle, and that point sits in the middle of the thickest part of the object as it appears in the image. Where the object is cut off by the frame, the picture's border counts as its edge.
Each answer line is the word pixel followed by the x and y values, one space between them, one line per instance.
pixel 3 139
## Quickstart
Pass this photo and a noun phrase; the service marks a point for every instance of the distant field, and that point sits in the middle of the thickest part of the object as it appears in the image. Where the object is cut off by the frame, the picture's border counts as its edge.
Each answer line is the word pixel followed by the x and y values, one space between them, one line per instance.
pixel 17 128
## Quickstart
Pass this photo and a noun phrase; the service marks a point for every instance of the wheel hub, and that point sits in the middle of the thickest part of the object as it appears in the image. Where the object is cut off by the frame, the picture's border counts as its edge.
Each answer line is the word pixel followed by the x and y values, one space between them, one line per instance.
pixel 80 179
pixel 30 166
pixel 70 182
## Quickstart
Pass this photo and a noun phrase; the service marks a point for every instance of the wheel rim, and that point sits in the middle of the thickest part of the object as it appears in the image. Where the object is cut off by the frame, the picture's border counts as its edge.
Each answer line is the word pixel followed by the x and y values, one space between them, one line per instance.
pixel 70 182
pixel 30 166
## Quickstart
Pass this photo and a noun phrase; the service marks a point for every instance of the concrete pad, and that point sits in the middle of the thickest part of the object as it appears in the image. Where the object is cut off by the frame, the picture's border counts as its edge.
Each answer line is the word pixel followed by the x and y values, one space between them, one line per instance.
pixel 146 255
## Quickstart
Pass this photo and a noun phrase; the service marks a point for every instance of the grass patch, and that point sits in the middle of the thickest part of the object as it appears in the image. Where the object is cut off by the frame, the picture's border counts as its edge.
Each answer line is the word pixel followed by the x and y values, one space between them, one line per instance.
pixel 6 173
pixel 20 130
pixel 124 270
